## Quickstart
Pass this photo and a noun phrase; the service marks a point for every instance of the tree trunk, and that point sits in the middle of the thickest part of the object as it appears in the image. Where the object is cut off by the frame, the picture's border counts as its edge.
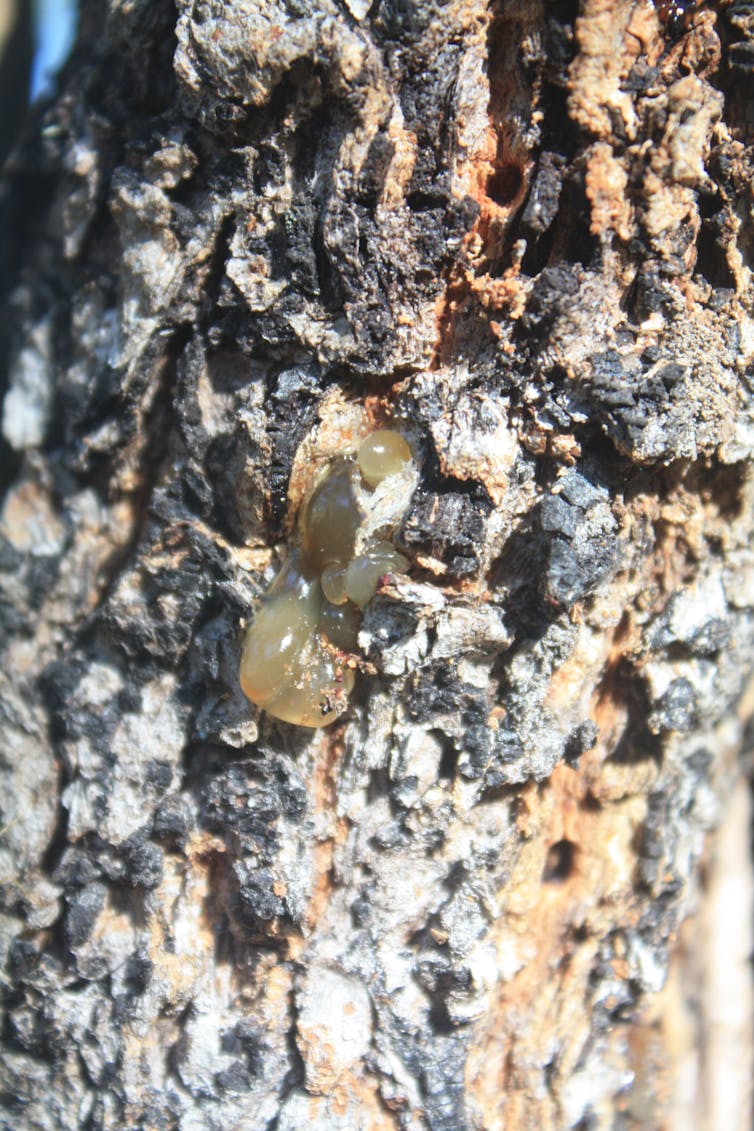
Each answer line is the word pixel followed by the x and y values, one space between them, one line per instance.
pixel 243 234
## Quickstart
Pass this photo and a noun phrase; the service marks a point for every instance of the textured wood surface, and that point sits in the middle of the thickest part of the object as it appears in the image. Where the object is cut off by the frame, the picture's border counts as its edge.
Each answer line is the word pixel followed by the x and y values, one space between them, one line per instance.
pixel 241 236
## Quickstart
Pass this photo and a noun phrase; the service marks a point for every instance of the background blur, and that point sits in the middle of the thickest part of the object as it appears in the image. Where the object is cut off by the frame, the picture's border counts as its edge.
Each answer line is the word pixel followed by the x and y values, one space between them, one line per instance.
pixel 54 22
pixel 35 39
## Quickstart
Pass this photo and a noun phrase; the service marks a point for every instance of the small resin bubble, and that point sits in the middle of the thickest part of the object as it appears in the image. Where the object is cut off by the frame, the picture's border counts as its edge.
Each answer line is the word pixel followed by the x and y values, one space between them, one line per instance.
pixel 333 581
pixel 340 624
pixel 364 572
pixel 330 519
pixel 383 454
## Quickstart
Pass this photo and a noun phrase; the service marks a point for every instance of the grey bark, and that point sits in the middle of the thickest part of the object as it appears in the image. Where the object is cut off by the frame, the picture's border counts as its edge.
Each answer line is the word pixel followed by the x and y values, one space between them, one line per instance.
pixel 240 235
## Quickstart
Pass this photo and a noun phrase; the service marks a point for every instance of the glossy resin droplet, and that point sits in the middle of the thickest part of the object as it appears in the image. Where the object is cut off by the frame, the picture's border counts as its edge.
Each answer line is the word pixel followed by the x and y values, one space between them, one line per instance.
pixel 382 454
pixel 315 689
pixel 295 658
pixel 333 581
pixel 364 572
pixel 282 625
pixel 340 624
pixel 331 519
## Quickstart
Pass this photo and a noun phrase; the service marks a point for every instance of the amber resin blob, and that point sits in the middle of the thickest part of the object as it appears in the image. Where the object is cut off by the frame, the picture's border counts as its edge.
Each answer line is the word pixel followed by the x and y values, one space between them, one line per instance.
pixel 297 659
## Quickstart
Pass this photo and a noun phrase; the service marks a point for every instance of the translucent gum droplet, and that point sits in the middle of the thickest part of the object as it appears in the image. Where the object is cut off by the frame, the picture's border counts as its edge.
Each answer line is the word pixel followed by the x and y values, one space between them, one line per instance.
pixel 340 624
pixel 289 664
pixel 364 572
pixel 331 518
pixel 316 685
pixel 382 454
pixel 333 581
pixel 281 627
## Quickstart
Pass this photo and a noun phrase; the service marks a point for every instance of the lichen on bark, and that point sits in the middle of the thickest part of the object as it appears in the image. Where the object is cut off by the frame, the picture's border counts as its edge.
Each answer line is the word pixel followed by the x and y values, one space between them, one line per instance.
pixel 240 236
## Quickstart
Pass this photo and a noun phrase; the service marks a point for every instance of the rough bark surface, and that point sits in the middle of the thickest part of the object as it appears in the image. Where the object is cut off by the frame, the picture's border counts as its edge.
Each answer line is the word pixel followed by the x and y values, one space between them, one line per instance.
pixel 242 235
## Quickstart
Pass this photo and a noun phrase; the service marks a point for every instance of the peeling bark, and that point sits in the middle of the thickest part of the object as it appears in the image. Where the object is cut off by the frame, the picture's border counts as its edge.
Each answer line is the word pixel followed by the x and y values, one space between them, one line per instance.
pixel 240 237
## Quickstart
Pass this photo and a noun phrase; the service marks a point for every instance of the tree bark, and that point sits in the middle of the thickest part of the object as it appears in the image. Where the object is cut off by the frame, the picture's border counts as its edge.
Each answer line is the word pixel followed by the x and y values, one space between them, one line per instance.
pixel 242 235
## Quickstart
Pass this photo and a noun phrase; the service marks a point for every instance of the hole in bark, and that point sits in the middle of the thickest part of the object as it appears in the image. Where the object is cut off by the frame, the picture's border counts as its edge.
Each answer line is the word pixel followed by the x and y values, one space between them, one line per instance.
pixel 216 273
pixel 10 466
pixel 565 11
pixel 538 252
pixel 559 863
pixel 579 934
pixel 581 246
pixel 425 201
pixel 504 185
pixel 439 1019
pixel 710 204
pixel 711 260
pixel 59 840
pixel 624 698
pixel 448 758
pixel 726 490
